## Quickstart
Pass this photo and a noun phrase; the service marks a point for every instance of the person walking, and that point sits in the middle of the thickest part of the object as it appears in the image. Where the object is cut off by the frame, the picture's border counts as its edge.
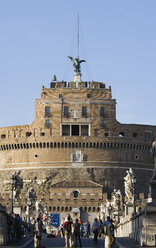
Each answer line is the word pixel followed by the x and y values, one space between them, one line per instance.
pixel 68 231
pixel 38 233
pixel 62 227
pixel 87 229
pixel 110 239
pixel 95 228
pixel 77 233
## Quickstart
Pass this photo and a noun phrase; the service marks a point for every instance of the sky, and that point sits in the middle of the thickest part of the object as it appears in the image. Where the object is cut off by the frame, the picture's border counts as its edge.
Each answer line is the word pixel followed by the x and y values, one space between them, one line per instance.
pixel 117 40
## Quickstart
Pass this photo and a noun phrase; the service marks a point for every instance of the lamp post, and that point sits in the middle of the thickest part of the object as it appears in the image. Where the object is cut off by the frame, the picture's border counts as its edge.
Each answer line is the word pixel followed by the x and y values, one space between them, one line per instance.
pixel 13 182
pixel 134 183
pixel 118 204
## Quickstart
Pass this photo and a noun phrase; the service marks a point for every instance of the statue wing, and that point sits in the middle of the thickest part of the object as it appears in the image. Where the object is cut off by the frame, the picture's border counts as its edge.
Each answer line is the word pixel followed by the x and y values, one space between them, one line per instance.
pixel 71 59
pixel 82 61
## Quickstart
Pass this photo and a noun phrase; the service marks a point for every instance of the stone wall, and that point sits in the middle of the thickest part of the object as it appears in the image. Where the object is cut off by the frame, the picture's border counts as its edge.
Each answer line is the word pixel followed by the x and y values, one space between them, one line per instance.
pixel 3 226
pixel 140 227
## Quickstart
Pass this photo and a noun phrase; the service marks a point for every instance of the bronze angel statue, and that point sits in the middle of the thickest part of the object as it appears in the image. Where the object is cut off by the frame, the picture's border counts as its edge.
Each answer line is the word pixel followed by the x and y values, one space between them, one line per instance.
pixel 76 63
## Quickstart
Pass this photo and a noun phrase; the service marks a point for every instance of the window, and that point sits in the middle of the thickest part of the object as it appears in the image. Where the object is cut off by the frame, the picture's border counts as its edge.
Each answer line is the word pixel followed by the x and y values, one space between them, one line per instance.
pixel 102 123
pixel 102 111
pixel 148 135
pixel 75 130
pixel 47 111
pixel 28 134
pixel 60 95
pixel 134 135
pixel 76 193
pixel 88 95
pixel 52 85
pixel 42 134
pixel 84 111
pixel 3 136
pixel 106 134
pixel 65 130
pixel 47 123
pixel 84 130
pixel 102 85
pixel 121 134
pixel 66 111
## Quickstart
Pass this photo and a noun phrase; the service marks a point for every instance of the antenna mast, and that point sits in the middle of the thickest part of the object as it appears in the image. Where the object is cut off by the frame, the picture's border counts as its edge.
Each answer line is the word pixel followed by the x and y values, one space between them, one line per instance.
pixel 78 36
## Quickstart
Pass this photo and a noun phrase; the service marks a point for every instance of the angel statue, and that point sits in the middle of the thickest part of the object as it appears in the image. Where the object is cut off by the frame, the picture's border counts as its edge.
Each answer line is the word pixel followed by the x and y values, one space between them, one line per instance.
pixel 128 186
pixel 76 63
pixel 18 185
pixel 102 212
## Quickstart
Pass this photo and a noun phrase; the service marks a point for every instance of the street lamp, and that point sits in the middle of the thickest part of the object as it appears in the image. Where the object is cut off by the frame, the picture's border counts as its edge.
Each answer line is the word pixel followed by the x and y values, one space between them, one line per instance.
pixel 133 184
pixel 13 182
pixel 118 204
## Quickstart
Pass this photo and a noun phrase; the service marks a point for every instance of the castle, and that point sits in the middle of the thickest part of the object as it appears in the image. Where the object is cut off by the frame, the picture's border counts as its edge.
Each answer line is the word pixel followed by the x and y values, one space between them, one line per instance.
pixel 75 153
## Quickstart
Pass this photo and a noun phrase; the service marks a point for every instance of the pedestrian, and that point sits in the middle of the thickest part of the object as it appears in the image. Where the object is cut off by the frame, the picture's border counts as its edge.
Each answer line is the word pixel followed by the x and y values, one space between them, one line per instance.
pixel 80 221
pixel 95 228
pixel 81 230
pixel 39 232
pixel 68 231
pixel 87 229
pixel 62 227
pixel 110 239
pixel 77 233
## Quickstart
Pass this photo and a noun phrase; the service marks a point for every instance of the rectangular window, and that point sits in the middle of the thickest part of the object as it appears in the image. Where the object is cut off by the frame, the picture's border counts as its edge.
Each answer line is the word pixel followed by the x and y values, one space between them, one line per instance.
pixel 102 123
pixel 84 111
pixel 47 111
pixel 3 136
pixel 84 130
pixel 47 123
pixel 60 95
pixel 66 111
pixel 75 130
pixel 148 135
pixel 65 130
pixel 102 111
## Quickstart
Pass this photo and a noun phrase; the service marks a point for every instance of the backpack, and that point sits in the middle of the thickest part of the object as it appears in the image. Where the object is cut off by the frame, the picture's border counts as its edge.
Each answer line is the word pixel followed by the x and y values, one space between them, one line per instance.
pixel 67 226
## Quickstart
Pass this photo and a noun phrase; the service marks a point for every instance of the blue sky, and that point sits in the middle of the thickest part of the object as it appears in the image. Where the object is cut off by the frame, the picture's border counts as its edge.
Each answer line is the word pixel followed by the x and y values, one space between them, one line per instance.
pixel 117 39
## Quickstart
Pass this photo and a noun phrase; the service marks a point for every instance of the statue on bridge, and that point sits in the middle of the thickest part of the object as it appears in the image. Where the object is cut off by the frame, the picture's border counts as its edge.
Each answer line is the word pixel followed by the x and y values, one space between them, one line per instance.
pixel 18 185
pixel 128 186
pixel 154 155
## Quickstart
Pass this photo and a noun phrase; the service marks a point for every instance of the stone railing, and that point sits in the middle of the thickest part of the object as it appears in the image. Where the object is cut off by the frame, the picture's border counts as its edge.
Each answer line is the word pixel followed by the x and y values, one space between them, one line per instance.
pixel 3 226
pixel 140 227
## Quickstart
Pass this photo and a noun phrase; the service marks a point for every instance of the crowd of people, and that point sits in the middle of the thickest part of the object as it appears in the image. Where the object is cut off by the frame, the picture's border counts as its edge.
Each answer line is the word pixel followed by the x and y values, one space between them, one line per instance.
pixel 72 231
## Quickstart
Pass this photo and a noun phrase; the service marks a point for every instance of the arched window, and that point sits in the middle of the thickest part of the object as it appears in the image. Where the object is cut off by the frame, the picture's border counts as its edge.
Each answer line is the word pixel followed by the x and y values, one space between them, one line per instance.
pixel 76 193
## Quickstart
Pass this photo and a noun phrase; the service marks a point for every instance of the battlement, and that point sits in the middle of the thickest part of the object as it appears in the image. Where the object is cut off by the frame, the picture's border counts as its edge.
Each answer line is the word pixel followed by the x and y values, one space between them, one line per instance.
pixel 86 84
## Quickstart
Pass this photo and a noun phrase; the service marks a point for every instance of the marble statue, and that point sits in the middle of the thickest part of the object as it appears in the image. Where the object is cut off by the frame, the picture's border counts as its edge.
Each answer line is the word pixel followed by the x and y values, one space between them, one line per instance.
pixel 18 185
pixel 39 207
pixel 114 199
pixel 128 186
pixel 102 212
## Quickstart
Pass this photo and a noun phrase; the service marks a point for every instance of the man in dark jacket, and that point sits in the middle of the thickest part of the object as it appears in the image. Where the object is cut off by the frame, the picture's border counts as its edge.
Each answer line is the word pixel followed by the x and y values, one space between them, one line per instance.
pixel 77 233
pixel 110 232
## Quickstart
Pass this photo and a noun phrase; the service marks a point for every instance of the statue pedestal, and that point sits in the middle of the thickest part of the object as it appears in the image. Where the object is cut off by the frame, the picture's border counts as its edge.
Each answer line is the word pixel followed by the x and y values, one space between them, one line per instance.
pixel 17 208
pixel 129 210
